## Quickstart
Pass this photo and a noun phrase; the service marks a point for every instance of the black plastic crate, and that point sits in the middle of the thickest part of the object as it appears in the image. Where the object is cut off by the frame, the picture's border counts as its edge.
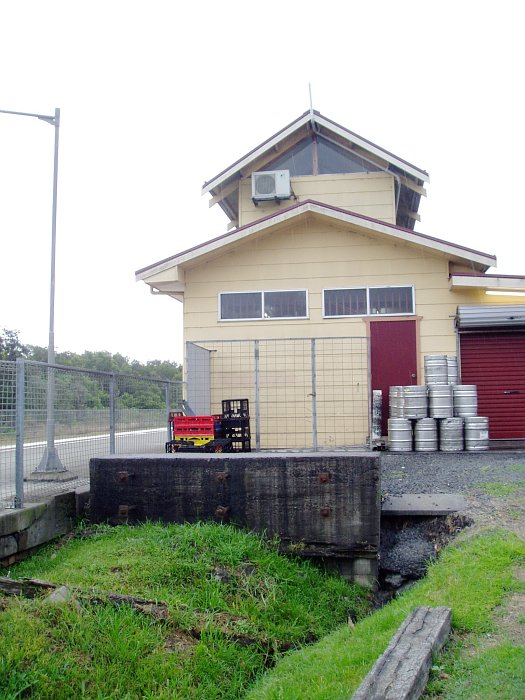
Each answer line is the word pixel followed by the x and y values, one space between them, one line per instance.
pixel 237 432
pixel 236 423
pixel 235 408
pixel 241 444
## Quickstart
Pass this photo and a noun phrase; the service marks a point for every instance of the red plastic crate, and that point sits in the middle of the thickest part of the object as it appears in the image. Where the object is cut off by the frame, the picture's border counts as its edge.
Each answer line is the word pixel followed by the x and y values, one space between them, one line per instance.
pixel 190 434
pixel 204 423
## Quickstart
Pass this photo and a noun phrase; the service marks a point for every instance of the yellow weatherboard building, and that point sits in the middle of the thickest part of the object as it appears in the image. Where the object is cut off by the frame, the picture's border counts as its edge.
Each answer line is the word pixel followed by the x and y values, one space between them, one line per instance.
pixel 321 291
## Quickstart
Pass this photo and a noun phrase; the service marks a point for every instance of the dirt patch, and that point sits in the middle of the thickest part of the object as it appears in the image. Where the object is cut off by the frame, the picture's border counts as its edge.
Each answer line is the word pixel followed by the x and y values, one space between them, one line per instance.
pixel 178 641
pixel 508 512
pixel 497 511
pixel 511 619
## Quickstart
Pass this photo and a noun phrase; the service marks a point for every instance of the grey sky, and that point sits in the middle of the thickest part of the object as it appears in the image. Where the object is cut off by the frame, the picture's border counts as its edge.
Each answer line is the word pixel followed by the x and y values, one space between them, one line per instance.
pixel 157 97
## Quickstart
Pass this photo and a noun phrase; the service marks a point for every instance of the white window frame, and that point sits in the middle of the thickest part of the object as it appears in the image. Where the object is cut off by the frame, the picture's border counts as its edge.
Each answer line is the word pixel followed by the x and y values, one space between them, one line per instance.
pixel 338 289
pixel 367 289
pixel 262 292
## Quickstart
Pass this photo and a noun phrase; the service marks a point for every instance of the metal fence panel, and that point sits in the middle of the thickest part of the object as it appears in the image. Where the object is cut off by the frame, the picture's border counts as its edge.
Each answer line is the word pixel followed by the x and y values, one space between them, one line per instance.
pixel 286 393
pixel 7 428
pixel 304 393
pixel 198 379
pixel 343 392
pixel 95 414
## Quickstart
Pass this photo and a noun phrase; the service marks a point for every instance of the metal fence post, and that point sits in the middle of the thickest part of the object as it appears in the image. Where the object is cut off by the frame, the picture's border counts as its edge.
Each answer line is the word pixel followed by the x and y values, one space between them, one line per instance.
pixel 314 398
pixel 257 398
pixel 370 399
pixel 167 395
pixel 112 413
pixel 19 432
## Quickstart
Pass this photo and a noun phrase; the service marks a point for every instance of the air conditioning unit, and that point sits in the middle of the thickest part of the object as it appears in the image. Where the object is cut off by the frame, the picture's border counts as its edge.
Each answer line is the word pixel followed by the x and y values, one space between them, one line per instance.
pixel 271 184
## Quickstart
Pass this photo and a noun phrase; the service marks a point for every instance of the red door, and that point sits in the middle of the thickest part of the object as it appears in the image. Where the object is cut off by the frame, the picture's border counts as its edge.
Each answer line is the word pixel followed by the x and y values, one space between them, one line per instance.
pixel 393 358
pixel 495 362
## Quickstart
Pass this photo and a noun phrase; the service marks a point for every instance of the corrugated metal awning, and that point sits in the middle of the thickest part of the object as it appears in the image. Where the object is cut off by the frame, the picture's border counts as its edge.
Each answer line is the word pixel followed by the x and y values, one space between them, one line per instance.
pixel 490 316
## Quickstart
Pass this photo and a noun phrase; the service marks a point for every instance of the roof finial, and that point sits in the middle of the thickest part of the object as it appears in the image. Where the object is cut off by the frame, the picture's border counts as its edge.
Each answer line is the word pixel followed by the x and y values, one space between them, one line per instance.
pixel 311 105
pixel 312 117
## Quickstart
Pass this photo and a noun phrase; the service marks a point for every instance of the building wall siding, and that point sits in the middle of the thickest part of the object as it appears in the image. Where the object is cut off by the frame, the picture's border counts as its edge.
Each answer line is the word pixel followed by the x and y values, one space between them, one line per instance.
pixel 313 256
pixel 370 194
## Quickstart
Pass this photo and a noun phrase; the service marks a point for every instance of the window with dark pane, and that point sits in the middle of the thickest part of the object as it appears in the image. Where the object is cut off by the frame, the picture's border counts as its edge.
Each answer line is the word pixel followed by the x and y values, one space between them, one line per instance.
pixel 288 304
pixel 336 159
pixel 298 160
pixel 241 305
pixel 345 302
pixel 391 300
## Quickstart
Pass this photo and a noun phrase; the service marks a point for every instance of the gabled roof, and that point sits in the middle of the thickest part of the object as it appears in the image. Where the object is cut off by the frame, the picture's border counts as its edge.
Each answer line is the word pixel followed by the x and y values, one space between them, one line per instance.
pixel 152 274
pixel 410 178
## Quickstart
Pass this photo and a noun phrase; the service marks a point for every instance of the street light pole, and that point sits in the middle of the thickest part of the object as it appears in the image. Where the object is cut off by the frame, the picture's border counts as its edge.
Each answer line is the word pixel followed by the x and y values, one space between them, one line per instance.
pixel 50 462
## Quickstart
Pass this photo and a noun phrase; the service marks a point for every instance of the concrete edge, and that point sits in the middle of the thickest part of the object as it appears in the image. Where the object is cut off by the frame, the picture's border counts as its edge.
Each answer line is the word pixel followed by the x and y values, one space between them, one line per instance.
pixel 423 504
pixel 21 530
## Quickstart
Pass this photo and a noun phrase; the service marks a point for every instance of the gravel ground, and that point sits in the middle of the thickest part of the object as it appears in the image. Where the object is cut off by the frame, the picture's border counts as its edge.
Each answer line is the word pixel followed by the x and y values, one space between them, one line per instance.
pixel 493 484
pixel 449 472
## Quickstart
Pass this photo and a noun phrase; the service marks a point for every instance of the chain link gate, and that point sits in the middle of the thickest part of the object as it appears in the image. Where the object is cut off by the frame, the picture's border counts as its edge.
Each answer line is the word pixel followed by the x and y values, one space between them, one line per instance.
pixel 305 393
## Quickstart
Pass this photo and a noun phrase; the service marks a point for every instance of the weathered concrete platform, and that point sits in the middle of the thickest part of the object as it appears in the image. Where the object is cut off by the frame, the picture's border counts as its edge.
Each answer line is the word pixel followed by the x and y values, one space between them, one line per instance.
pixel 320 505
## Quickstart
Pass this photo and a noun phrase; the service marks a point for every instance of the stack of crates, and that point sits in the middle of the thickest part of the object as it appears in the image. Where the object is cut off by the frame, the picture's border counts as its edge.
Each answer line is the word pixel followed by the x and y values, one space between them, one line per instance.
pixel 235 423
pixel 197 430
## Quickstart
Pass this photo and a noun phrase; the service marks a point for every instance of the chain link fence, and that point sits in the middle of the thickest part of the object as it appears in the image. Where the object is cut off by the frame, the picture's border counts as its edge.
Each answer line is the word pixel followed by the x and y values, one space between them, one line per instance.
pixel 46 447
pixel 304 393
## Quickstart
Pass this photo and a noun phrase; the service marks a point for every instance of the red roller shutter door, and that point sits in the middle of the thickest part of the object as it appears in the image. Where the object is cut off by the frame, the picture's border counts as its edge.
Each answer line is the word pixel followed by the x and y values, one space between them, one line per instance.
pixel 495 362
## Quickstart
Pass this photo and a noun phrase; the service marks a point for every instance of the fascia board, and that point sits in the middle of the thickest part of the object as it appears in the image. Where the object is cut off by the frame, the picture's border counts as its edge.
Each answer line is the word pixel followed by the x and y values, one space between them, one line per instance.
pixel 330 126
pixel 516 284
pixel 407 236
pixel 153 274
pixel 266 146
pixel 363 223
pixel 215 244
pixel 236 236
pixel 371 148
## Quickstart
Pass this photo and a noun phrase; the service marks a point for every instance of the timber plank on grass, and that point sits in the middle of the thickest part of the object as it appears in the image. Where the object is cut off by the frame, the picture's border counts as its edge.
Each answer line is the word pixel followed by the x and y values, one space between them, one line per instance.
pixel 401 673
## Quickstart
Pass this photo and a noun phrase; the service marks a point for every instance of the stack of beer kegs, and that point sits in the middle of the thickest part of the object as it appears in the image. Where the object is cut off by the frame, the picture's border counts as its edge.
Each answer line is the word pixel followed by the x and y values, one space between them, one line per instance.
pixel 440 415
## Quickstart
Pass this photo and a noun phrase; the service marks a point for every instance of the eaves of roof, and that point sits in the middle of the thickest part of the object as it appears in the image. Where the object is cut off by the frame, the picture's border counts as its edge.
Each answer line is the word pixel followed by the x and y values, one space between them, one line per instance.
pixel 482 260
pixel 508 283
pixel 322 121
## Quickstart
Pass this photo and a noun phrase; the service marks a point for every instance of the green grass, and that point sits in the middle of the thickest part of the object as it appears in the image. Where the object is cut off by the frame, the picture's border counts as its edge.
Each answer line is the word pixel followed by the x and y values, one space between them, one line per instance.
pixel 217 579
pixel 472 577
pixel 498 488
pixel 229 582
pixel 497 673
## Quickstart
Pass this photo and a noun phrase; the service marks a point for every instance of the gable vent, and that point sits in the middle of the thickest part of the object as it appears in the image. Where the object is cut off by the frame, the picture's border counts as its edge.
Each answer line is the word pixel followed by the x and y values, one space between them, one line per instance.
pixel 271 184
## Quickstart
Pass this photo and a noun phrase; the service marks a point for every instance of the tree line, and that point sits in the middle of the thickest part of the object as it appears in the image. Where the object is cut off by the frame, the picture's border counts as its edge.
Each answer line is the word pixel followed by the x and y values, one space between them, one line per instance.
pixel 76 390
